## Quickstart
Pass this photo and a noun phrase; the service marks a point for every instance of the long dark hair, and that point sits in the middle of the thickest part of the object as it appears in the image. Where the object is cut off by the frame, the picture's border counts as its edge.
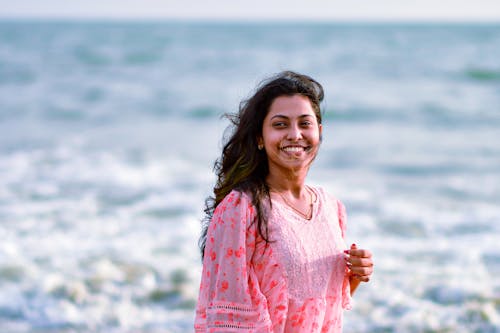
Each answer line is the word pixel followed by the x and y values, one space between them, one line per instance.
pixel 242 166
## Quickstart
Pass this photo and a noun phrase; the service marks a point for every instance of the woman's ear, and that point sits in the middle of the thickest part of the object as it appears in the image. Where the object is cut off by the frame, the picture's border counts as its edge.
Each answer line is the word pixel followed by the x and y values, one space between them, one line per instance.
pixel 260 143
pixel 320 127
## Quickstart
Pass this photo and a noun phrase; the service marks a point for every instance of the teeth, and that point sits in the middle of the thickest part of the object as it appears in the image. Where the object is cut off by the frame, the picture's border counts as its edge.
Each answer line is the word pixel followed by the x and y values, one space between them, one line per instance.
pixel 292 149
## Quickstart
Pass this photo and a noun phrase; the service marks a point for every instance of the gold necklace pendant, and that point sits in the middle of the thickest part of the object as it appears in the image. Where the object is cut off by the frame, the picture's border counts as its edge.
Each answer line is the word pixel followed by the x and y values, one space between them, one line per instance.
pixel 308 214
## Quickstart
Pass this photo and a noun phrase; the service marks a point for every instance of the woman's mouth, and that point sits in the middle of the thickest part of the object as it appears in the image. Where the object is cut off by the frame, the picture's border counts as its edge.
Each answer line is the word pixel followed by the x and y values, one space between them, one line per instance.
pixel 295 149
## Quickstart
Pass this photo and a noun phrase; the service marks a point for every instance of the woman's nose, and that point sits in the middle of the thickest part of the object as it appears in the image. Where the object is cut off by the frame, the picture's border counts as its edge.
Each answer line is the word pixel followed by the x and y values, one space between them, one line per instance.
pixel 294 133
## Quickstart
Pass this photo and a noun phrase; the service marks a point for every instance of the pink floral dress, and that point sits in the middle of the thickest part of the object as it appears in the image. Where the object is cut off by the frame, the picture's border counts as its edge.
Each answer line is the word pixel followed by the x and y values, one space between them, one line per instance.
pixel 296 283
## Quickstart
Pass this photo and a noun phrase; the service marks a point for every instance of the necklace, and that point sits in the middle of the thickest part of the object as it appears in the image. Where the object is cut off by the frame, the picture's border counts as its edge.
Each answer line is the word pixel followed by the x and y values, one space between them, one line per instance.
pixel 308 214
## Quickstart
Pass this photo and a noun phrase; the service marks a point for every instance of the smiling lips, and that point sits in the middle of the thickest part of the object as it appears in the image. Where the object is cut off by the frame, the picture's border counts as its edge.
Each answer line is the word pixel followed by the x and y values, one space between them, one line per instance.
pixel 294 149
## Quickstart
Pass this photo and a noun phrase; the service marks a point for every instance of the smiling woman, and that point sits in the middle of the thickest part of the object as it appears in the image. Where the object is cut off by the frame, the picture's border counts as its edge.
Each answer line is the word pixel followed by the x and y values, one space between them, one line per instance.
pixel 290 134
pixel 274 255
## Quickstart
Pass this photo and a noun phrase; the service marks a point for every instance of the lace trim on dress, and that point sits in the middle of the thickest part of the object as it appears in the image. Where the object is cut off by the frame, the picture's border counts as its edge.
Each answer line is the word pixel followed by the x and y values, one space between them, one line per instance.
pixel 230 308
pixel 246 317
pixel 233 325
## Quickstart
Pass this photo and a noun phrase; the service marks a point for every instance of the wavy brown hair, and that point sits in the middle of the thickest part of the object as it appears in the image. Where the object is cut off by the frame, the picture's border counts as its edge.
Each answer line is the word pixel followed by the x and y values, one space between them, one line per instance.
pixel 242 166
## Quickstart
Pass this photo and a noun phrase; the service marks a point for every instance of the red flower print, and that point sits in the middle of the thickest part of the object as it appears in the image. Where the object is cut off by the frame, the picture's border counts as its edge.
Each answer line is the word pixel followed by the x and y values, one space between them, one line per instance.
pixel 239 252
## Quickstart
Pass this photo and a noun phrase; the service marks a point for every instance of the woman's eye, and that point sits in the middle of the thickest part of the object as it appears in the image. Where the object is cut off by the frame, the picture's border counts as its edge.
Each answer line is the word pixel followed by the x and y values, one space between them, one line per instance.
pixel 279 124
pixel 306 123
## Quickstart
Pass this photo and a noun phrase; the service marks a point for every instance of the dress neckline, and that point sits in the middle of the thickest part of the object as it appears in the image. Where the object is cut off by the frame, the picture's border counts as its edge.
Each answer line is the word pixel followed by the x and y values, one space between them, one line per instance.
pixel 291 212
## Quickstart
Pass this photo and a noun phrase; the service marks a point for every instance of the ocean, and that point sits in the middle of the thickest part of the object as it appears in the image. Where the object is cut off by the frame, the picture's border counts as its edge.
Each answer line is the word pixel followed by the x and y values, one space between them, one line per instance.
pixel 109 132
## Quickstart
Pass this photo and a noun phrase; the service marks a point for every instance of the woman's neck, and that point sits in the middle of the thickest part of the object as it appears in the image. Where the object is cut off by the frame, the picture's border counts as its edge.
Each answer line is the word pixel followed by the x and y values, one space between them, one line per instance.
pixel 294 184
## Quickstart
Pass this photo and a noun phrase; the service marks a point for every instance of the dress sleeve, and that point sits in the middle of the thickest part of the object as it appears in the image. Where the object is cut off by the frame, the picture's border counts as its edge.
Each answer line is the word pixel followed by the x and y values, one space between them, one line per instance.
pixel 346 288
pixel 342 217
pixel 230 299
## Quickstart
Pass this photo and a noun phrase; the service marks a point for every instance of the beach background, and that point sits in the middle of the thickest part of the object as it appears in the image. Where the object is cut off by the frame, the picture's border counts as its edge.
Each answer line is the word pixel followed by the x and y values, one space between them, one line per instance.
pixel 109 131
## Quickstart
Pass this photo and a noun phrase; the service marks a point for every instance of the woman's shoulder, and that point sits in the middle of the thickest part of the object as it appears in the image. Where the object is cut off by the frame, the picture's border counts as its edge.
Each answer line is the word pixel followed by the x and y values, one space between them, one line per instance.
pixel 326 198
pixel 323 193
pixel 237 196
pixel 236 206
pixel 235 200
pixel 331 202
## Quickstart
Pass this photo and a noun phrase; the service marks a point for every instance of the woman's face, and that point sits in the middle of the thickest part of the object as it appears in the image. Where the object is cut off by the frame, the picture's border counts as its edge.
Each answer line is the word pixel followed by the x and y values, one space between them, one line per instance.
pixel 290 134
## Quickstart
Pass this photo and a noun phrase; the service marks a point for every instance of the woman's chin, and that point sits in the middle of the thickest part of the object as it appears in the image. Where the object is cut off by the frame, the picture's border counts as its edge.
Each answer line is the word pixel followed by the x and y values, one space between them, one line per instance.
pixel 296 163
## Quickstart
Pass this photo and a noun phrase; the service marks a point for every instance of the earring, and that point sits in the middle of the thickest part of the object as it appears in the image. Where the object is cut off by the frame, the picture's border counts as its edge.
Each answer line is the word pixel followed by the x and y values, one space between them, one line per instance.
pixel 260 146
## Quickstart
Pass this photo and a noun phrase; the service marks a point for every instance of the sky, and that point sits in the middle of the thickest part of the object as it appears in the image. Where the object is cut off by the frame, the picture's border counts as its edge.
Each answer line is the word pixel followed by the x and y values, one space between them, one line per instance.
pixel 329 10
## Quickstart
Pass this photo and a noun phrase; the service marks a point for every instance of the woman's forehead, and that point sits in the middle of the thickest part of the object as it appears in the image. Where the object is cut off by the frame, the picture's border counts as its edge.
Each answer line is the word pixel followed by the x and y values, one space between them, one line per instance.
pixel 295 105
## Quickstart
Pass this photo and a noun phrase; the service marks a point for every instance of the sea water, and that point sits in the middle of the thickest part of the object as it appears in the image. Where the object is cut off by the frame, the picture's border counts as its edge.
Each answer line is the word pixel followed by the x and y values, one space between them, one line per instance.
pixel 109 131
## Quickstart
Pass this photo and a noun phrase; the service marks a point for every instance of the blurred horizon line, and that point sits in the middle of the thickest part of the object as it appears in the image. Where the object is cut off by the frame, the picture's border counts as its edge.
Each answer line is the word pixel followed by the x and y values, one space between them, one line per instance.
pixel 347 21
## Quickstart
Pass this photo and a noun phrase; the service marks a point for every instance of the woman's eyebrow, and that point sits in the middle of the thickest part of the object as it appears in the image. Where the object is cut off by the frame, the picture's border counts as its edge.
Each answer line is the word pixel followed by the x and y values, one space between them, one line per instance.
pixel 286 117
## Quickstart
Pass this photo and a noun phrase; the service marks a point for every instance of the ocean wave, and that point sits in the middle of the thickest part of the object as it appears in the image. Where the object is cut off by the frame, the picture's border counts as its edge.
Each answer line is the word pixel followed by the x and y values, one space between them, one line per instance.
pixel 16 74
pixel 483 74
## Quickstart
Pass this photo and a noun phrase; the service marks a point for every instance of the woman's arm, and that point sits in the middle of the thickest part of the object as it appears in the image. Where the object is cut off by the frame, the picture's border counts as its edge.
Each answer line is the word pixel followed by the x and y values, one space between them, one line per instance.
pixel 230 297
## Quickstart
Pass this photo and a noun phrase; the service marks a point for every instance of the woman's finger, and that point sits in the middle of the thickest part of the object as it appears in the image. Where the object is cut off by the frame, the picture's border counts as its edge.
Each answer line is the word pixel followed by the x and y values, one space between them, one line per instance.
pixel 362 253
pixel 361 278
pixel 362 262
pixel 363 271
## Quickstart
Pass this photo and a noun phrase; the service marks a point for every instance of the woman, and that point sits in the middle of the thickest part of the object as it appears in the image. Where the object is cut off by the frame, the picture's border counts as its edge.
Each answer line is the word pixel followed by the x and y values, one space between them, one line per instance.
pixel 274 257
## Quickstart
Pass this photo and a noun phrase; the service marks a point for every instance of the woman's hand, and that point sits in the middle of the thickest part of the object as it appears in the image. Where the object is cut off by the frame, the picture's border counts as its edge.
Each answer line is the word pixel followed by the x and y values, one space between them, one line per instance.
pixel 359 263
